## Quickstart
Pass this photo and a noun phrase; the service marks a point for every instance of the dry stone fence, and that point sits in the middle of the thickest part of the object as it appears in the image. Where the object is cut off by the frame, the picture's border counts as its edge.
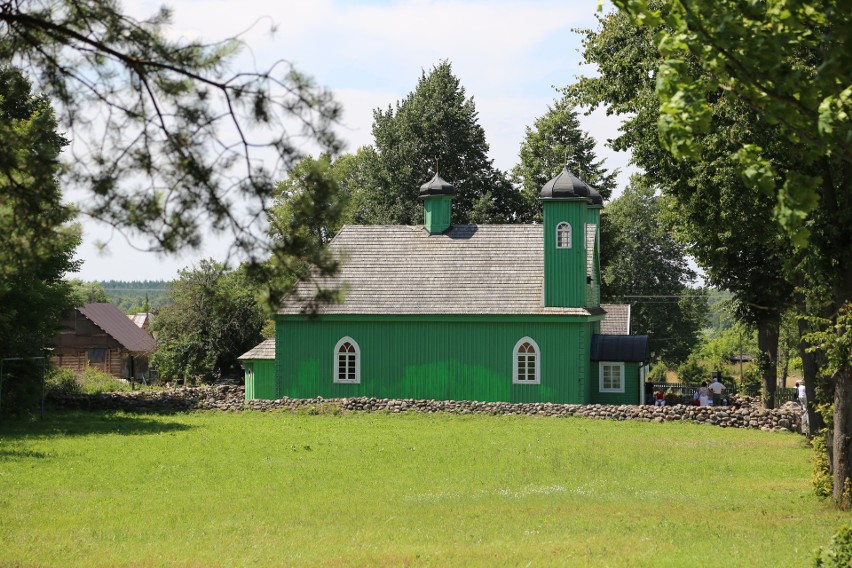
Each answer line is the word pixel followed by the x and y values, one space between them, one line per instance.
pixel 744 413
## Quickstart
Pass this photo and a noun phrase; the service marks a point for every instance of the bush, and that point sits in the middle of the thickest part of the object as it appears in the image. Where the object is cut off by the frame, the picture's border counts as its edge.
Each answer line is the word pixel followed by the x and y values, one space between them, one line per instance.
pixel 752 382
pixel 61 381
pixel 838 553
pixel 691 372
pixel 821 477
pixel 94 381
pixel 658 373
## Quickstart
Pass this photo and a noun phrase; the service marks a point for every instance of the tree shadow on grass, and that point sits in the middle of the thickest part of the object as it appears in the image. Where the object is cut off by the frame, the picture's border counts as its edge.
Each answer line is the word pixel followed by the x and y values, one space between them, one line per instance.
pixel 63 424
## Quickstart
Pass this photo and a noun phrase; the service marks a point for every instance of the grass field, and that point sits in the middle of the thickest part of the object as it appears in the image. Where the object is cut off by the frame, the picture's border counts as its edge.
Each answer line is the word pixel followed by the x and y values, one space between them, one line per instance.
pixel 265 489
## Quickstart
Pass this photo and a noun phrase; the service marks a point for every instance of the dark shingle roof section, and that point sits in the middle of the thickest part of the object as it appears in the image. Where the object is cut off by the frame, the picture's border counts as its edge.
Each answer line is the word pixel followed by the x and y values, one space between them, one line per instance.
pixel 263 350
pixel 619 348
pixel 617 320
pixel 470 269
pixel 113 321
pixel 566 185
pixel 437 186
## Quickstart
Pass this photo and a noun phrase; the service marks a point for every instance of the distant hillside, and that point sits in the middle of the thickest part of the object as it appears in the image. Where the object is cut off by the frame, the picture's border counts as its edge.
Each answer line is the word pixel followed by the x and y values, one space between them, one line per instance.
pixel 130 295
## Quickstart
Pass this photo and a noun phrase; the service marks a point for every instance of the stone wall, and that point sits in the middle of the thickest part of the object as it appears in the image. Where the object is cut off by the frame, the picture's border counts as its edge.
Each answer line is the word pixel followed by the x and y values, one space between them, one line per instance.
pixel 745 413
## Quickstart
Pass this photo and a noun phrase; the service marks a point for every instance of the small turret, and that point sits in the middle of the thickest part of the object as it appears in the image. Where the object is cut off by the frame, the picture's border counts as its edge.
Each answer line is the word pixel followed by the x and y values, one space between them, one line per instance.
pixel 437 196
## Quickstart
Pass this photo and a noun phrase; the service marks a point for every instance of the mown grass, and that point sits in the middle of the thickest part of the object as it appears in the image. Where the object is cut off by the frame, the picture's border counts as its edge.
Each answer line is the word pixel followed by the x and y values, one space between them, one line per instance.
pixel 265 489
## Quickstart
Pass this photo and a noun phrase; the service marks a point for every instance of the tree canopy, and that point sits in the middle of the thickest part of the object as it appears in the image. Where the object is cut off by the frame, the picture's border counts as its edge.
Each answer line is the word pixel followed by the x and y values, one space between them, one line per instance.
pixel 434 127
pixel 168 141
pixel 648 269
pixel 37 239
pixel 213 318
pixel 554 141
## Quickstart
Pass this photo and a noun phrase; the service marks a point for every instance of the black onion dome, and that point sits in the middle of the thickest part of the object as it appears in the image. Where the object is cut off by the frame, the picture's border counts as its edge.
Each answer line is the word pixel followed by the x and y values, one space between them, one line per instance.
pixel 566 185
pixel 595 196
pixel 437 186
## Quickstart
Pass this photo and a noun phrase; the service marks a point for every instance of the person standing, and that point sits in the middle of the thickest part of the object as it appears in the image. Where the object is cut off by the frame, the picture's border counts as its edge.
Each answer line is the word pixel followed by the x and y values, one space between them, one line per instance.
pixel 716 390
pixel 703 394
pixel 801 394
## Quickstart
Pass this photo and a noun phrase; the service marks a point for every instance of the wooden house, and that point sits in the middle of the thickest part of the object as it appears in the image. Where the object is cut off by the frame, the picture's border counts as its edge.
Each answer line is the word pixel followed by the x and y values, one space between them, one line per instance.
pixel 103 337
pixel 461 312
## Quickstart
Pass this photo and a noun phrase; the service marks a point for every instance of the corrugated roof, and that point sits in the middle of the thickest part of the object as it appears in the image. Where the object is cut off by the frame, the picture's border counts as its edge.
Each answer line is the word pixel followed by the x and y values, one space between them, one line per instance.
pixel 263 350
pixel 619 348
pixel 113 321
pixel 617 320
pixel 470 269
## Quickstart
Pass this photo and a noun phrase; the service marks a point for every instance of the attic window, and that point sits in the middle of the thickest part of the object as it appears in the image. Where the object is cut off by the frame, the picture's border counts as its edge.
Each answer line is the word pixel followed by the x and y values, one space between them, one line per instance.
pixel 347 361
pixel 527 363
pixel 563 235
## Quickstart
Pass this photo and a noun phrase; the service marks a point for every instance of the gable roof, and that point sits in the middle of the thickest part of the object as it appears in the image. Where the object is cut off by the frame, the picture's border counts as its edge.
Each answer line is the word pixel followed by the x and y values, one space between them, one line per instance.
pixel 113 321
pixel 263 350
pixel 617 320
pixel 619 348
pixel 470 269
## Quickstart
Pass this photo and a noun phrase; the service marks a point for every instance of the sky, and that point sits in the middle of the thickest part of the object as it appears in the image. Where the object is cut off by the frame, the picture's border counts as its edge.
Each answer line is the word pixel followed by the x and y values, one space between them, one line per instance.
pixel 509 56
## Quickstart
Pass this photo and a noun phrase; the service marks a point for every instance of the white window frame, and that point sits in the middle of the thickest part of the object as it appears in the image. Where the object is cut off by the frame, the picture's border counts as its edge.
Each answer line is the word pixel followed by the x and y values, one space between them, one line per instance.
pixel 516 354
pixel 564 226
pixel 336 370
pixel 620 366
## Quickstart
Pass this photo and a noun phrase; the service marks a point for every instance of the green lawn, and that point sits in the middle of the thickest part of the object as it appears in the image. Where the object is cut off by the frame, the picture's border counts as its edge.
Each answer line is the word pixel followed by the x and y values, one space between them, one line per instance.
pixel 261 489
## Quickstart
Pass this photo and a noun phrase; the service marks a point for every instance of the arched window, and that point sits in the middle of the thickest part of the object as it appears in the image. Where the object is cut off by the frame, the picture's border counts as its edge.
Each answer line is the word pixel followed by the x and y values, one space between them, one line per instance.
pixel 563 235
pixel 526 368
pixel 347 361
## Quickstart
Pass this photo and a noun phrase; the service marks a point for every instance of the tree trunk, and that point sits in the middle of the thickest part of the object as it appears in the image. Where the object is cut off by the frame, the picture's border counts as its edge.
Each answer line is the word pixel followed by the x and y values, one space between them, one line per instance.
pixel 809 370
pixel 842 444
pixel 767 345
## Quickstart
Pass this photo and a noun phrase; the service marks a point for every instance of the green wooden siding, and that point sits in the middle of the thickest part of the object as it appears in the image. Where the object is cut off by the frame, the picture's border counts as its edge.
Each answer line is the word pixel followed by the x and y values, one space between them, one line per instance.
pixel 260 379
pixel 631 386
pixel 565 269
pixel 593 289
pixel 437 210
pixel 442 359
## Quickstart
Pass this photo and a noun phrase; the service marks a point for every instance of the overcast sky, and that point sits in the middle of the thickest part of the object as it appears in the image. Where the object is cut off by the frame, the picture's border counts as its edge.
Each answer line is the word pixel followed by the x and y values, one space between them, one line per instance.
pixel 508 55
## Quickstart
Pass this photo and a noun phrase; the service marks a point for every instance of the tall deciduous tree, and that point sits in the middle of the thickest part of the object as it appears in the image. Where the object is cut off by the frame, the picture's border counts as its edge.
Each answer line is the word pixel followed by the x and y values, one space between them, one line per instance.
pixel 170 142
pixel 214 318
pixel 37 241
pixel 648 269
pixel 436 125
pixel 556 140
pixel 790 61
pixel 728 228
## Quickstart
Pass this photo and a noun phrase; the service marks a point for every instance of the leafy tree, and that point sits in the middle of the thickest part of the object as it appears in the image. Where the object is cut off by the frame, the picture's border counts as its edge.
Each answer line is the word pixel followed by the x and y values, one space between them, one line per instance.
pixel 554 141
pixel 37 241
pixel 647 268
pixel 729 229
pixel 168 141
pixel 790 61
pixel 214 318
pixel 436 125
pixel 88 292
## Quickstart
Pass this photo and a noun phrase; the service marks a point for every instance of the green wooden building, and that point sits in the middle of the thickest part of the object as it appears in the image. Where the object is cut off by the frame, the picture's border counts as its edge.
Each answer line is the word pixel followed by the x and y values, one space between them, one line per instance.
pixel 460 312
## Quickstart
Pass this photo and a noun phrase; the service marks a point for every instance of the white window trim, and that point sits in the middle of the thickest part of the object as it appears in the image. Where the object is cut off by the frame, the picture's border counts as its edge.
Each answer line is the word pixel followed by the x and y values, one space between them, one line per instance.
pixel 357 362
pixel 515 353
pixel 620 366
pixel 567 226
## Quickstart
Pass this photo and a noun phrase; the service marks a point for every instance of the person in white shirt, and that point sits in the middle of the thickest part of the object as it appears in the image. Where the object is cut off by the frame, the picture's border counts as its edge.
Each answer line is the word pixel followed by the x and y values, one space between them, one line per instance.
pixel 802 394
pixel 716 389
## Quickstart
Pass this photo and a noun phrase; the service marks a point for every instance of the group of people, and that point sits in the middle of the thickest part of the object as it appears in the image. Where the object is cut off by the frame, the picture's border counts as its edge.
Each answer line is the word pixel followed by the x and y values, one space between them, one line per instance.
pixel 706 395
pixel 710 395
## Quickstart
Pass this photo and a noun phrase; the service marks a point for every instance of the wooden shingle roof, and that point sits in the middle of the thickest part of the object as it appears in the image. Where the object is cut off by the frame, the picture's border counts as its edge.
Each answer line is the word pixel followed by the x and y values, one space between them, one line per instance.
pixel 470 269
pixel 263 350
pixel 617 320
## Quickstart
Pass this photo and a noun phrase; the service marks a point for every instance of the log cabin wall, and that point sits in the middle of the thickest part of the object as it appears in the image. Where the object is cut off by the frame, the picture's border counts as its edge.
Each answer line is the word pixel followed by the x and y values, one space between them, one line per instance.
pixel 82 344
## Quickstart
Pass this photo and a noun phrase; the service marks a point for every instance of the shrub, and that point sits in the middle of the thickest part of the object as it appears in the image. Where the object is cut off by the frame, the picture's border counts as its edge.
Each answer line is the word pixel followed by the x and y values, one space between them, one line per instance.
pixel 821 477
pixel 61 381
pixel 838 553
pixel 752 381
pixel 94 381
pixel 691 372
pixel 658 373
